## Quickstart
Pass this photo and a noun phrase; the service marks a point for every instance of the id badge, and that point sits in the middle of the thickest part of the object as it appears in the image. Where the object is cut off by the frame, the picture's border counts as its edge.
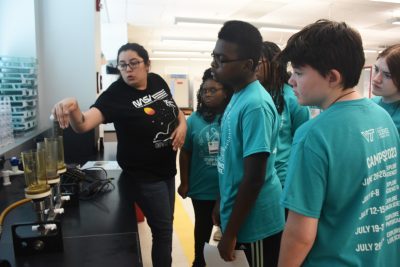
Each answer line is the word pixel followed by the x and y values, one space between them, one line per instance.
pixel 213 147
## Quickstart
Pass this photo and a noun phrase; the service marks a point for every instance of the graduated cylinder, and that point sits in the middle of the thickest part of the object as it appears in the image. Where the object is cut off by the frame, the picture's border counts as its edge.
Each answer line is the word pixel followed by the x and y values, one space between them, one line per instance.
pixel 58 134
pixel 60 159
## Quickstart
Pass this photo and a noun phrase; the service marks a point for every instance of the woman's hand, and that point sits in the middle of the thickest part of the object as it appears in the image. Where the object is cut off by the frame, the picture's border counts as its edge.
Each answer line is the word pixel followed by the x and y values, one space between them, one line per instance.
pixel 63 109
pixel 178 136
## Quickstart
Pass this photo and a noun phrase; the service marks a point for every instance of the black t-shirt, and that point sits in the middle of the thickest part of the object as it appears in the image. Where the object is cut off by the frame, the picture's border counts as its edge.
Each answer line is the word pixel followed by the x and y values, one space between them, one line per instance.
pixel 143 121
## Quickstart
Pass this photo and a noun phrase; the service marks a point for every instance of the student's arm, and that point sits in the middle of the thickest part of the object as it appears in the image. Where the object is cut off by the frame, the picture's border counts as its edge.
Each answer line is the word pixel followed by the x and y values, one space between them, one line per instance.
pixel 297 239
pixel 253 179
pixel 67 112
pixel 178 136
pixel 185 157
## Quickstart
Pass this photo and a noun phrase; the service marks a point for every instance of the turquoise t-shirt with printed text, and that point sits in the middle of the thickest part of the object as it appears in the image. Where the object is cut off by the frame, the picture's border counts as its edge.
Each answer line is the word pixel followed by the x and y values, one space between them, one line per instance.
pixel 392 108
pixel 202 140
pixel 344 171
pixel 293 115
pixel 249 126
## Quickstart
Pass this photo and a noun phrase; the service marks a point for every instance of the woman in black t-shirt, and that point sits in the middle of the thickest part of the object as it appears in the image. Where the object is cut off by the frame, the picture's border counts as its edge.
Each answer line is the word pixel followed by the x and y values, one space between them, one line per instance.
pixel 150 129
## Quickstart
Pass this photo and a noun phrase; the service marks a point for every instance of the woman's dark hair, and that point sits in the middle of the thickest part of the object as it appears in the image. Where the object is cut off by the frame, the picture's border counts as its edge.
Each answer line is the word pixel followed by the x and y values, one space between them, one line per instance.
pixel 208 113
pixel 275 74
pixel 134 47
pixel 247 37
pixel 325 45
pixel 392 57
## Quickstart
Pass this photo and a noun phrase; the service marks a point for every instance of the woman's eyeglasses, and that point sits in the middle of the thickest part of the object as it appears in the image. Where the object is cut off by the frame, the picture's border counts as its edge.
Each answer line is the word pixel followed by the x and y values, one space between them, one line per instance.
pixel 133 65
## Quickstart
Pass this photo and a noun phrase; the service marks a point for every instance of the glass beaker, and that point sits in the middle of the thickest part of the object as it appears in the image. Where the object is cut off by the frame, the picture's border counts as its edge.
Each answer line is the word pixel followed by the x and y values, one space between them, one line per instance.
pixel 35 172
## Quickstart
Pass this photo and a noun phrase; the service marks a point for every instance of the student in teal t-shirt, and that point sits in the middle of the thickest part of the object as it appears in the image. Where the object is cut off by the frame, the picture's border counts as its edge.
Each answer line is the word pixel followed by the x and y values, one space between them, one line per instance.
pixel 342 186
pixel 386 82
pixel 250 215
pixel 198 159
pixel 273 76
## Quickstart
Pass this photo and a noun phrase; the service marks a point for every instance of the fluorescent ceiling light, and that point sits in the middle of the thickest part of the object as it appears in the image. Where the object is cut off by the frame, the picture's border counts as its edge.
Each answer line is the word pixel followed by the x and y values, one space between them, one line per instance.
pixel 396 22
pixel 277 29
pixel 387 1
pixel 179 52
pixel 179 59
pixel 169 58
pixel 198 21
pixel 370 51
pixel 215 22
pixel 175 40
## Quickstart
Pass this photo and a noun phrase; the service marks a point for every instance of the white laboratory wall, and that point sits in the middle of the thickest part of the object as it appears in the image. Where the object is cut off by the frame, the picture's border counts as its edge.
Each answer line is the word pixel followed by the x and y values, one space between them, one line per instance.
pixel 113 36
pixel 68 42
pixel 193 69
pixel 17 28
pixel 370 59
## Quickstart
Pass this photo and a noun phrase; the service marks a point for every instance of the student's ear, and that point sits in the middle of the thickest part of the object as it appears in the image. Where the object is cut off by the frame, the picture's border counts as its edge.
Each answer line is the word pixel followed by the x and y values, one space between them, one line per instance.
pixel 334 78
pixel 249 64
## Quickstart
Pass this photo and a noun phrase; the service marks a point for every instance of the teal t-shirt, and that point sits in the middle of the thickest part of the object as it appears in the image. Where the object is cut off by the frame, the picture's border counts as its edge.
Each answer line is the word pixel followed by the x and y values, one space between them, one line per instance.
pixel 249 126
pixel 202 140
pixel 293 115
pixel 392 108
pixel 344 170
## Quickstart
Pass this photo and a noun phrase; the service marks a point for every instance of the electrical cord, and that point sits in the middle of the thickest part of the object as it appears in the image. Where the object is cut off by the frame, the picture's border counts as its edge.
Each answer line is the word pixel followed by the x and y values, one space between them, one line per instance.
pixel 96 168
pixel 96 189
pixel 90 185
pixel 73 175
pixel 93 187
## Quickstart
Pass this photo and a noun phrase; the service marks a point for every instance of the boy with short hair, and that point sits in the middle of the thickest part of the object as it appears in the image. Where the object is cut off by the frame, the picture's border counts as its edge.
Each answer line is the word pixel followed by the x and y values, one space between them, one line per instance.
pixel 251 217
pixel 342 186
